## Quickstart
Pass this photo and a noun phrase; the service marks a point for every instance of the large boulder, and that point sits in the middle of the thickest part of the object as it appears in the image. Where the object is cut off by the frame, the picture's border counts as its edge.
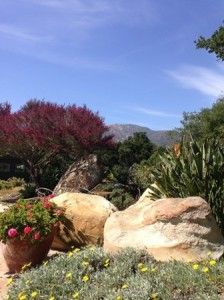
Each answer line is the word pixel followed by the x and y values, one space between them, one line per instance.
pixel 85 218
pixel 145 196
pixel 169 228
pixel 81 175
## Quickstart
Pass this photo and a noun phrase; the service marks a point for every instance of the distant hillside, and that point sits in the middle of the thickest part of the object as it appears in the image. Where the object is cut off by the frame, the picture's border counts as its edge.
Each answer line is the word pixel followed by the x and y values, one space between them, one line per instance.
pixel 158 137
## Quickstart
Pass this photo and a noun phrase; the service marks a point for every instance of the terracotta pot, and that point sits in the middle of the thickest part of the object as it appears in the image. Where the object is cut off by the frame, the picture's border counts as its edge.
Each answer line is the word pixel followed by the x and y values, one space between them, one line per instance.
pixel 17 253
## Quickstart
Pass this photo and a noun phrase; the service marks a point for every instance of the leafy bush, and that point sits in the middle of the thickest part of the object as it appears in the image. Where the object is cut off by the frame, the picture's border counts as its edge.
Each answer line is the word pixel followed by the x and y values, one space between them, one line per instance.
pixel 140 174
pixel 119 159
pixel 28 191
pixel 120 195
pixel 11 183
pixel 121 198
pixel 196 169
pixel 31 220
pixel 92 274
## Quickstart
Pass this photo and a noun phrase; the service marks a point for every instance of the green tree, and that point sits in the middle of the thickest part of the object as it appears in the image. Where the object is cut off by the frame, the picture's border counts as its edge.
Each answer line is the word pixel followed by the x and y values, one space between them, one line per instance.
pixel 213 44
pixel 207 123
pixel 133 150
pixel 119 159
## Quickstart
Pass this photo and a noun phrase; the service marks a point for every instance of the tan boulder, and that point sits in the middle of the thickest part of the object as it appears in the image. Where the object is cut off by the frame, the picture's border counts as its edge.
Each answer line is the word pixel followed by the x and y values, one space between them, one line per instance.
pixel 169 228
pixel 85 218
pixel 145 196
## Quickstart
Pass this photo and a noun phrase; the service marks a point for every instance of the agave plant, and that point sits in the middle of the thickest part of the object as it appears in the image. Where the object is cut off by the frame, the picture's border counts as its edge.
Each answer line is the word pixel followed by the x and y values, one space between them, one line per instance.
pixel 192 169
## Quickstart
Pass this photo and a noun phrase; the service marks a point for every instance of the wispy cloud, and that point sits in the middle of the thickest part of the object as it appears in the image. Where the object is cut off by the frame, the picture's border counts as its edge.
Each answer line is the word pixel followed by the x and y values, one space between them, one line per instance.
pixel 10 31
pixel 89 6
pixel 157 113
pixel 63 28
pixel 97 12
pixel 207 81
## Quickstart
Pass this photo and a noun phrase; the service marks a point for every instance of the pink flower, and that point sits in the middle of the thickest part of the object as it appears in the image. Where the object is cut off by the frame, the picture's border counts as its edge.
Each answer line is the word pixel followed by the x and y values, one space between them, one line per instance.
pixel 27 230
pixel 12 232
pixel 47 205
pixel 36 235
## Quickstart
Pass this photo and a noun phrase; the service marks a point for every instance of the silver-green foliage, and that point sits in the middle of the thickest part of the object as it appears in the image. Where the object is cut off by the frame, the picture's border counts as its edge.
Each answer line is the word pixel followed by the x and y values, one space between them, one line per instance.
pixel 130 275
pixel 197 171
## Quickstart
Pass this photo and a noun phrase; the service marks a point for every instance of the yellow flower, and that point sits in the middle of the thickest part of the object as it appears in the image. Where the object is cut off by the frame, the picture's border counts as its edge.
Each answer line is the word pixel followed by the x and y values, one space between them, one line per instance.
pixel 76 250
pixel 154 296
pixel 34 294
pixel 9 280
pixel 75 295
pixel 140 265
pixel 69 254
pixel 118 298
pixel 22 297
pixel 195 266
pixel 52 298
pixel 153 269
pixel 205 269
pixel 124 286
pixel 85 278
pixel 143 270
pixel 212 262
pixel 107 263
pixel 69 275
pixel 85 263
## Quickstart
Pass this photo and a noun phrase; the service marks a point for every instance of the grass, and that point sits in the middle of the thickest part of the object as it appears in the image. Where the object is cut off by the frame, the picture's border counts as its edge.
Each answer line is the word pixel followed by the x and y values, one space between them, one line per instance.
pixel 9 192
pixel 10 188
pixel 91 274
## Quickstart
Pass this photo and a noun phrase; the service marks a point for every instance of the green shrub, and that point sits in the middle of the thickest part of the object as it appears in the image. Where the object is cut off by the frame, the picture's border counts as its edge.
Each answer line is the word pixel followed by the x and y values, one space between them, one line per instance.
pixel 198 170
pixel 140 174
pixel 29 220
pixel 11 183
pixel 28 191
pixel 91 274
pixel 121 198
pixel 118 160
pixel 120 195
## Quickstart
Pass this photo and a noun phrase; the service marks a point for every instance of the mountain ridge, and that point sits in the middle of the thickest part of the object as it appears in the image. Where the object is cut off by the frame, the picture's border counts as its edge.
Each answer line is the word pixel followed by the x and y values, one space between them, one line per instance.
pixel 158 137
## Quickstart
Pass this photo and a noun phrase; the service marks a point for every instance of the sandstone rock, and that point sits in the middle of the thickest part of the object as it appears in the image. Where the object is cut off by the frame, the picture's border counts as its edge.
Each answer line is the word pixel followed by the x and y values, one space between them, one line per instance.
pixel 83 174
pixel 85 218
pixel 146 196
pixel 169 228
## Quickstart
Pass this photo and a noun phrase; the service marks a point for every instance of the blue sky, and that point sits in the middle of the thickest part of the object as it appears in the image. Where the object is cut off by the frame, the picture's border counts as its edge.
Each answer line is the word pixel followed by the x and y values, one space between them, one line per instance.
pixel 134 61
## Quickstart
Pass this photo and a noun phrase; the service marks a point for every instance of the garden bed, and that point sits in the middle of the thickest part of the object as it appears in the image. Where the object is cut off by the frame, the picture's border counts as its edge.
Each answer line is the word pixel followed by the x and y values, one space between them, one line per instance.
pixel 91 274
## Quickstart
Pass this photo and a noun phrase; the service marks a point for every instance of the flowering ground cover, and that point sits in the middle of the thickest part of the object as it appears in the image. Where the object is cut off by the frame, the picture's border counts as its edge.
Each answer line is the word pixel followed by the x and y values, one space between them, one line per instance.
pixel 91 274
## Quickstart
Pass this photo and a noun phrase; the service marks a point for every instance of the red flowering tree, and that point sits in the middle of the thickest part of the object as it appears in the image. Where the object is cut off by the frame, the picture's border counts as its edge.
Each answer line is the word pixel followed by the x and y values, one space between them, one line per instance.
pixel 41 131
